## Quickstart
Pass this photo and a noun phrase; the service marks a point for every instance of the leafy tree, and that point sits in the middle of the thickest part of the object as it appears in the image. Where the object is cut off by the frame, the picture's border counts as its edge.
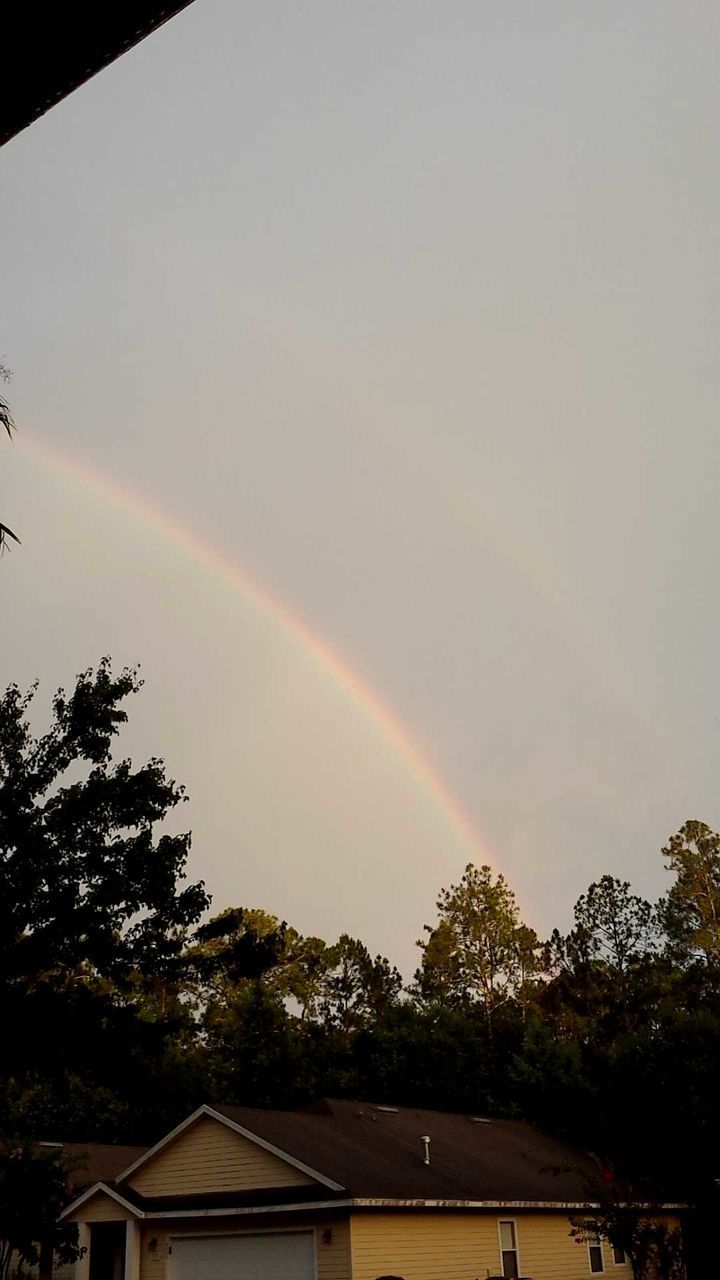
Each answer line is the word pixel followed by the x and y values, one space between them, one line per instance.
pixel 653 1248
pixel 254 1056
pixel 441 977
pixel 34 1189
pixel 92 911
pixel 424 1055
pixel 479 951
pixel 549 1082
pixel 244 944
pixel 87 889
pixel 340 985
pixel 690 912
pixel 235 947
pixel 612 926
pixel 355 990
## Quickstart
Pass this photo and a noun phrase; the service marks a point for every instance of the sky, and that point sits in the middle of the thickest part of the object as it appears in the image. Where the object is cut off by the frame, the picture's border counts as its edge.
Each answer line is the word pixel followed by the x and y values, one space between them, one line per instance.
pixel 366 374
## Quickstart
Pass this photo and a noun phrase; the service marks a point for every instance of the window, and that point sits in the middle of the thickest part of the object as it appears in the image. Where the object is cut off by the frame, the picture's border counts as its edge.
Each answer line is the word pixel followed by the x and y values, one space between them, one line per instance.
pixel 509 1250
pixel 618 1256
pixel 595 1254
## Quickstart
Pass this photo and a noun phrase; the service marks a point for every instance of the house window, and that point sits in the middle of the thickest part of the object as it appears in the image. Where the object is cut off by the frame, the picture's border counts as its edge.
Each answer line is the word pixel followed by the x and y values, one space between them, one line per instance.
pixel 595 1254
pixel 509 1251
pixel 618 1256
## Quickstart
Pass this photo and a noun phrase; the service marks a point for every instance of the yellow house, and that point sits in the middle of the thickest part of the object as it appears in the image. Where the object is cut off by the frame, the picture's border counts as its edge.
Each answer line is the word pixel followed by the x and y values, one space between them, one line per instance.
pixel 342 1191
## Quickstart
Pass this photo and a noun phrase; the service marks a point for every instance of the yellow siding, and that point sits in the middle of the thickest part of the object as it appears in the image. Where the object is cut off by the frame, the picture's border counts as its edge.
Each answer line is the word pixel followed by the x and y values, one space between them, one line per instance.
pixel 549 1252
pixel 333 1259
pixel 424 1246
pixel 210 1157
pixel 101 1208
pixel 457 1246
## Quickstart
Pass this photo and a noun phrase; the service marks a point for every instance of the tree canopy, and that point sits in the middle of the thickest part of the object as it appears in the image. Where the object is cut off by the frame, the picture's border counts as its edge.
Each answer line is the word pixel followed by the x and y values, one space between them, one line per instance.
pixel 606 1033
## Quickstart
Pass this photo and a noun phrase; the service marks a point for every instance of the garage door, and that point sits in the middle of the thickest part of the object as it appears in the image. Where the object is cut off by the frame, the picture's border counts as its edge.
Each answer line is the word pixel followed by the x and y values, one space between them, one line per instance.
pixel 273 1256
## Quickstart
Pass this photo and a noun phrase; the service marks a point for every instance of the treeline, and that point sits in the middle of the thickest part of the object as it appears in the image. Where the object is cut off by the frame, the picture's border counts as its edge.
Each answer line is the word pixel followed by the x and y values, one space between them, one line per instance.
pixel 121 1011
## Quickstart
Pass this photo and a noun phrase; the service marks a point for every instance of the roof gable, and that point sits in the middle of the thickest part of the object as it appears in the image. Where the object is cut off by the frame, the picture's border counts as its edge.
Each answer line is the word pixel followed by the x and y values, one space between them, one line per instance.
pixel 210 1154
pixel 100 1203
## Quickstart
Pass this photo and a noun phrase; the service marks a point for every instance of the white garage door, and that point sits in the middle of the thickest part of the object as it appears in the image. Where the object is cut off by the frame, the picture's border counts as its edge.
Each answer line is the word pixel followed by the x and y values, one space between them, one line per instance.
pixel 278 1256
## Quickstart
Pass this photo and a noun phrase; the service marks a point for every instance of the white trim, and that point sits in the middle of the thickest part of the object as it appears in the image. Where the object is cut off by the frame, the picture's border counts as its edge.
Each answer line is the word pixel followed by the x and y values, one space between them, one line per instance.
pixel 594 1241
pixel 132 1249
pixel 250 1210
pixel 205 1110
pixel 307 1206
pixel 101 1188
pixel 516 1248
pixel 81 1269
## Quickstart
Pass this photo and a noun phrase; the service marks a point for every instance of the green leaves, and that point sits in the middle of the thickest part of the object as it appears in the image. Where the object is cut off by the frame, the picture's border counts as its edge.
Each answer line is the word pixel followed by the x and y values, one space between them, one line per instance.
pixel 85 883
pixel 479 951
pixel 33 1191
pixel 690 912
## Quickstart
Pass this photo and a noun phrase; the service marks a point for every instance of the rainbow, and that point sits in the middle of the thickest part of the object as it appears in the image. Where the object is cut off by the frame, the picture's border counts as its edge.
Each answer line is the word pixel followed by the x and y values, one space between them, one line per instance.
pixel 225 570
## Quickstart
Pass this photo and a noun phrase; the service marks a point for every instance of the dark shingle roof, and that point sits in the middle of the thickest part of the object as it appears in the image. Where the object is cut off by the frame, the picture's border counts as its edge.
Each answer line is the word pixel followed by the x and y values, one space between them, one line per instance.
pixel 93 1162
pixel 377 1153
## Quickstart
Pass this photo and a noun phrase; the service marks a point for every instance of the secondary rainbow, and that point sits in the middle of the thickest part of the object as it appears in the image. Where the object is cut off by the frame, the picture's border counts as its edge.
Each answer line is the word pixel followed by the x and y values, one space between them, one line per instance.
pixel 226 570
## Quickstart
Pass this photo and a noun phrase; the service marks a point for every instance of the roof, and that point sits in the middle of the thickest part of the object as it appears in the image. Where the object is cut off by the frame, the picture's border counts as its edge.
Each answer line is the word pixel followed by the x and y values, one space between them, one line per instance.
pixel 376 1153
pixel 369 1157
pixel 95 1161
pixel 53 50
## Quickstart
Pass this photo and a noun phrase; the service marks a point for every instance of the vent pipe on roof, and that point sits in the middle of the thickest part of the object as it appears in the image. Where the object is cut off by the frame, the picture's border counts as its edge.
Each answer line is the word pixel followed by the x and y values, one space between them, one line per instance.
pixel 426 1150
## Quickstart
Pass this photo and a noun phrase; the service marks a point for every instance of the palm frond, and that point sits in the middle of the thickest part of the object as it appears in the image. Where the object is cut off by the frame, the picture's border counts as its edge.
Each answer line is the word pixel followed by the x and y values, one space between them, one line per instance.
pixel 6 418
pixel 6 533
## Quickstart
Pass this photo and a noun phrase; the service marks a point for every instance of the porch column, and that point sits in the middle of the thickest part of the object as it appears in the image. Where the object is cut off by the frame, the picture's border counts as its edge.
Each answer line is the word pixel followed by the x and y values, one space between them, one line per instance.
pixel 82 1266
pixel 132 1250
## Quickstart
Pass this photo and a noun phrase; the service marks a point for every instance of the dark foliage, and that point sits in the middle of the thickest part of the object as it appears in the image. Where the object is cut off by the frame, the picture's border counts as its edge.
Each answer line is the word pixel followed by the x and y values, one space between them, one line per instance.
pixel 127 1013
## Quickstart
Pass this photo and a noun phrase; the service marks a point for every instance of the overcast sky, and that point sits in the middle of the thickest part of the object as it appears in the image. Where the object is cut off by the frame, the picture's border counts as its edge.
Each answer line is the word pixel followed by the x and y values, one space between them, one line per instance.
pixel 411 310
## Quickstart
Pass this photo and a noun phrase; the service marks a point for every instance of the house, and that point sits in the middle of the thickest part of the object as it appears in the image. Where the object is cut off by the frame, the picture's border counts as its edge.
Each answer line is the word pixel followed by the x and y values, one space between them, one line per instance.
pixel 342 1191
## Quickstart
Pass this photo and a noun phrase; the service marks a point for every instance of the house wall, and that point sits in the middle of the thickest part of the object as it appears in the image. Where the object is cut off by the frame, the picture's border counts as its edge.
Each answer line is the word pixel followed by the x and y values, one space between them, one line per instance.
pixel 466 1246
pixel 425 1245
pixel 207 1157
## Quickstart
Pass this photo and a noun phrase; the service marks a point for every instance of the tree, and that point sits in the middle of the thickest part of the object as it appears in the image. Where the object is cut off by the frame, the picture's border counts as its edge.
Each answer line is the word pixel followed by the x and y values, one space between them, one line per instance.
pixel 6 421
pixel 34 1189
pixel 355 990
pixel 690 912
pixel 235 947
pixel 654 1250
pixel 612 925
pixel 87 889
pixel 479 951
pixel 93 913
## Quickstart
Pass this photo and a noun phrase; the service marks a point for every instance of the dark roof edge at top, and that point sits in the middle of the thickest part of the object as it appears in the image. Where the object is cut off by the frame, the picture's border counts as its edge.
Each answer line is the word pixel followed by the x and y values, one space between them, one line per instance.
pixel 56 52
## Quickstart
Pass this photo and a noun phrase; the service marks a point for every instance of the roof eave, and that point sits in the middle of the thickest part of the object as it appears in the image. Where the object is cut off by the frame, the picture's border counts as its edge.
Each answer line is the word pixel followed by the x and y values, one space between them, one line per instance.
pixel 367 1203
pixel 101 1188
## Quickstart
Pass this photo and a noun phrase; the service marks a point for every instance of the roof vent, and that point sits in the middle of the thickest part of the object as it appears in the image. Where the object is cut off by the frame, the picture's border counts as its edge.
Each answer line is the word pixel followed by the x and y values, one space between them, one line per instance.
pixel 480 1120
pixel 390 1111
